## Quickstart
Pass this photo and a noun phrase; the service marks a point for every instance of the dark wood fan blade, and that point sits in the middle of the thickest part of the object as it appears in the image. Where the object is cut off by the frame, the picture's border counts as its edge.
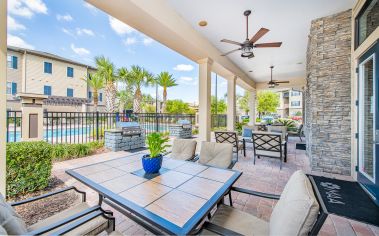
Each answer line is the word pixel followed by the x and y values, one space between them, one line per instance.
pixel 281 82
pixel 231 41
pixel 268 45
pixel 227 53
pixel 259 35
pixel 251 56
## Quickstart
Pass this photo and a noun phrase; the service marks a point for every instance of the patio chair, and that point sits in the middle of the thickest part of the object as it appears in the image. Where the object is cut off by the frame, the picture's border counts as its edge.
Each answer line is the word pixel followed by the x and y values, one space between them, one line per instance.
pixel 298 132
pixel 232 138
pixel 283 130
pixel 297 212
pixel 269 145
pixel 217 154
pixel 247 132
pixel 80 219
pixel 183 149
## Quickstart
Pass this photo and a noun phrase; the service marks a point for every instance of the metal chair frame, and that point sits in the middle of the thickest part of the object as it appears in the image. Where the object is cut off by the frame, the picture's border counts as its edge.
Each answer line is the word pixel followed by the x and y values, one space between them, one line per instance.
pixel 230 137
pixel 266 144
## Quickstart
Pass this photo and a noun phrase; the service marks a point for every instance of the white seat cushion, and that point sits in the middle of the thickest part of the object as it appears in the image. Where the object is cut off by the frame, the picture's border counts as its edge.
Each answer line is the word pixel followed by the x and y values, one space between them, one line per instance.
pixel 216 154
pixel 92 227
pixel 183 149
pixel 239 221
pixel 297 210
pixel 267 153
pixel 10 221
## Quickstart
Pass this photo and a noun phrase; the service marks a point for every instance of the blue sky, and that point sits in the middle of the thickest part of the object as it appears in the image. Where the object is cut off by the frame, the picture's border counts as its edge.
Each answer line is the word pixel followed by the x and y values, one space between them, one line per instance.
pixel 78 31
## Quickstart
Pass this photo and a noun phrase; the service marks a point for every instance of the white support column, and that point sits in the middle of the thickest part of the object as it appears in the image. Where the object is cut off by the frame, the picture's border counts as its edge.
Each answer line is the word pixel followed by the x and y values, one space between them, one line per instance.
pixel 231 112
pixel 252 107
pixel 3 98
pixel 205 68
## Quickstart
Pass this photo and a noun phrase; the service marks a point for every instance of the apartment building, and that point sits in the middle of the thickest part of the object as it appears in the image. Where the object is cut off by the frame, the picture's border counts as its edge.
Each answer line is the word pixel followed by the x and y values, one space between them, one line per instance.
pixel 291 103
pixel 31 71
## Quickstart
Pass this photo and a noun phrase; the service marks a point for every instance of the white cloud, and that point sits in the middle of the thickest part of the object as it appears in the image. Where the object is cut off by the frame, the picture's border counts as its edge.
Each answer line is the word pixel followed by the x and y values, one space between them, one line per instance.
pixel 130 41
pixel 80 51
pixel 14 25
pixel 90 7
pixel 68 32
pixel 147 41
pixel 185 78
pixel 119 27
pixel 84 31
pixel 188 80
pixel 26 8
pixel 18 42
pixel 183 67
pixel 66 17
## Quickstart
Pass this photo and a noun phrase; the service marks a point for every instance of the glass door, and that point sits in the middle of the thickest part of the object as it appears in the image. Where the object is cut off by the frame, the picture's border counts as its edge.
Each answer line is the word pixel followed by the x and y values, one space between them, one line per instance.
pixel 368 126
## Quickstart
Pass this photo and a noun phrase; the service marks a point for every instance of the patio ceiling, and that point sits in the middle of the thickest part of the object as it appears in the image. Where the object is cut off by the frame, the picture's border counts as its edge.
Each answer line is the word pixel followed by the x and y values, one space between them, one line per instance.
pixel 175 24
pixel 289 21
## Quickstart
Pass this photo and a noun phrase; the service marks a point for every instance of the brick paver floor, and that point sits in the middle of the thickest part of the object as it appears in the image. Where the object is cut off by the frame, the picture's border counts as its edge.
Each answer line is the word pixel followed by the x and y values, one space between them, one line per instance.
pixel 264 176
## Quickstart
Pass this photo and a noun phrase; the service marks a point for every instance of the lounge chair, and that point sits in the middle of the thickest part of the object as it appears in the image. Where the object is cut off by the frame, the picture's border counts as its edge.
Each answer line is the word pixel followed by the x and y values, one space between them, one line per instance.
pixel 298 132
pixel 269 145
pixel 183 149
pixel 297 212
pixel 217 154
pixel 232 138
pixel 80 219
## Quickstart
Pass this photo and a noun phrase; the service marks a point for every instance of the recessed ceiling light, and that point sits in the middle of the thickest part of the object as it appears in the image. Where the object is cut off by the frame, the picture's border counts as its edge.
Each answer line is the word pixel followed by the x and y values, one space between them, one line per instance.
pixel 250 71
pixel 299 63
pixel 203 23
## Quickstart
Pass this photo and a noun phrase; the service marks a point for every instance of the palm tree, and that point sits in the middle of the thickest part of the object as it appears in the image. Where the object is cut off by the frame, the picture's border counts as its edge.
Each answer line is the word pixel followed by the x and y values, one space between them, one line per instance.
pixel 138 77
pixel 165 80
pixel 125 96
pixel 106 70
pixel 95 82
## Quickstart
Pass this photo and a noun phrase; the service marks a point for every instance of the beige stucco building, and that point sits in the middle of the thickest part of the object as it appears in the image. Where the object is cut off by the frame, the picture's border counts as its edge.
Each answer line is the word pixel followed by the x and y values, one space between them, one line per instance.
pixel 36 72
pixel 291 103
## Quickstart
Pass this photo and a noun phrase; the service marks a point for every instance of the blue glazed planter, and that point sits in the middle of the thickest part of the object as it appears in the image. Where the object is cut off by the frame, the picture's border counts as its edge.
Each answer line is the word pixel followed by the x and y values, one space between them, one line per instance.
pixel 151 165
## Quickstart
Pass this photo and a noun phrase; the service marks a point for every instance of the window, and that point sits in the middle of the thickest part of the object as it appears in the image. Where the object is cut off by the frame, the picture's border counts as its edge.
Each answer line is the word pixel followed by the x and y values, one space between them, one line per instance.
pixel 367 21
pixel 89 95
pixel 295 93
pixel 48 68
pixel 70 92
pixel 70 72
pixel 295 103
pixel 12 62
pixel 11 88
pixel 47 90
pixel 100 97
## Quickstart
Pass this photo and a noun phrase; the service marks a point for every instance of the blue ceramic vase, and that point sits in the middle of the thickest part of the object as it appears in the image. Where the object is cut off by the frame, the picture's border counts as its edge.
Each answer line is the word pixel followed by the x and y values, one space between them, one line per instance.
pixel 152 165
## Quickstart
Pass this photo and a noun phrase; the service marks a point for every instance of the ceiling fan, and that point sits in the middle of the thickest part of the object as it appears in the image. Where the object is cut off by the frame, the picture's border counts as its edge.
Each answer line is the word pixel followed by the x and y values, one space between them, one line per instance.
pixel 248 45
pixel 274 83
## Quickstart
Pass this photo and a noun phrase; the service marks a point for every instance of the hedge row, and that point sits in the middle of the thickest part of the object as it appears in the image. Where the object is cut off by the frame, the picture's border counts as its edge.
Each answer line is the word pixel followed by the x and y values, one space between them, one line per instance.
pixel 29 164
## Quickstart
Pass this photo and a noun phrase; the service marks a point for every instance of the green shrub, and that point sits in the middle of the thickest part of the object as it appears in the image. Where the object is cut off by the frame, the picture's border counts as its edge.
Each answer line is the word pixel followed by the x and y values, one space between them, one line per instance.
pixel 291 125
pixel 28 167
pixel 62 152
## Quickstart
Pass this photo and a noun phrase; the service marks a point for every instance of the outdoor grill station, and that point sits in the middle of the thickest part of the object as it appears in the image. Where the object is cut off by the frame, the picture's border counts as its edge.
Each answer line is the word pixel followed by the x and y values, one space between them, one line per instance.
pixel 182 129
pixel 127 135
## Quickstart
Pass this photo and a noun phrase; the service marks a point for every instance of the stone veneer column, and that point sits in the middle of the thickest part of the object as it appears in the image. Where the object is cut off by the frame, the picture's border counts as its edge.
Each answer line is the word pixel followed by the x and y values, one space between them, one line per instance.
pixel 327 95
pixel 205 66
pixel 231 108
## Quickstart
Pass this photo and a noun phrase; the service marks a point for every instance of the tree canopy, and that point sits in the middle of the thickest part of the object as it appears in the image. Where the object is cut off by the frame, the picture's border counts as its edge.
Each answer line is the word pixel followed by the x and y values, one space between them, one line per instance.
pixel 178 107
pixel 221 105
pixel 268 102
pixel 243 102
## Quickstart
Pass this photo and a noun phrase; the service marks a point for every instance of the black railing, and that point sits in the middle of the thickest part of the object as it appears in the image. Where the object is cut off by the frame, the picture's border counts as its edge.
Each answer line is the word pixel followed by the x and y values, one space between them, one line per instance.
pixel 77 127
pixel 14 127
pixel 160 122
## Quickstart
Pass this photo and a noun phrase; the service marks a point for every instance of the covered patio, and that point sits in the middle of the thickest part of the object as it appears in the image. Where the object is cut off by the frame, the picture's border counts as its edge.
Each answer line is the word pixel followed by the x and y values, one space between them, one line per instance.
pixel 320 57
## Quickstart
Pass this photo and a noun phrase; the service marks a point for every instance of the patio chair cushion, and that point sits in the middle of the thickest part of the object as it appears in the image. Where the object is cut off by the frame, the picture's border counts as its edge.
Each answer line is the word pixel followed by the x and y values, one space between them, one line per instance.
pixel 12 222
pixel 239 221
pixel 93 227
pixel 247 131
pixel 278 129
pixel 3 231
pixel 267 153
pixel 183 149
pixel 296 211
pixel 216 154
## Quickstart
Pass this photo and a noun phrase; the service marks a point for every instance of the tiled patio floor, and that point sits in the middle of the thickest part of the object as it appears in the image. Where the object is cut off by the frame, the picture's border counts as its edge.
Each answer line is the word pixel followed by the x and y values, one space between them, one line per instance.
pixel 265 176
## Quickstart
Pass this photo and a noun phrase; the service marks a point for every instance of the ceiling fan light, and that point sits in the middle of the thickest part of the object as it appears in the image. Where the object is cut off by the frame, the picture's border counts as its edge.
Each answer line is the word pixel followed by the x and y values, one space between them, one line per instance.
pixel 246 52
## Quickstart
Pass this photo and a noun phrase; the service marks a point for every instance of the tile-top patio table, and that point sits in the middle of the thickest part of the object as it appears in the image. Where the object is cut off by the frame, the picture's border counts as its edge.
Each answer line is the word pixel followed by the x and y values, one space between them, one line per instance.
pixel 174 201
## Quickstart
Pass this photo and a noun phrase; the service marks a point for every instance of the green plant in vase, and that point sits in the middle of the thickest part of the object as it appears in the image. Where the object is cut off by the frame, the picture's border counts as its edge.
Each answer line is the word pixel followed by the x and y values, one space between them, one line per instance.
pixel 157 144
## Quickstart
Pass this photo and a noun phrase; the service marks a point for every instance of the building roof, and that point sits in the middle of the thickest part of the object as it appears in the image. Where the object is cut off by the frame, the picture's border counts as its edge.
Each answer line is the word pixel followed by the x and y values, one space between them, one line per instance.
pixel 48 55
pixel 62 100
